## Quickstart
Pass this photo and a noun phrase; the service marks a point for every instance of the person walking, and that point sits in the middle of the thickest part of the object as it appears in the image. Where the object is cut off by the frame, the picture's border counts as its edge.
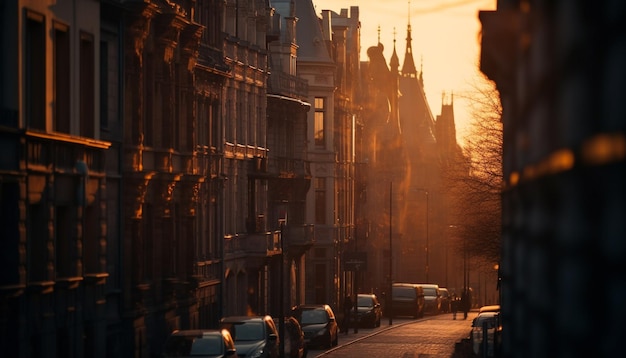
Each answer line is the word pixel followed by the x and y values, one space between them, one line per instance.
pixel 465 302
pixel 454 305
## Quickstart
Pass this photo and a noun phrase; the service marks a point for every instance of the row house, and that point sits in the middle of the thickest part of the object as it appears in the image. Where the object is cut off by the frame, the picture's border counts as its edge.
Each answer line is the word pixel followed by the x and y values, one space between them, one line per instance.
pixel 54 189
pixel 288 166
pixel 154 167
pixel 328 58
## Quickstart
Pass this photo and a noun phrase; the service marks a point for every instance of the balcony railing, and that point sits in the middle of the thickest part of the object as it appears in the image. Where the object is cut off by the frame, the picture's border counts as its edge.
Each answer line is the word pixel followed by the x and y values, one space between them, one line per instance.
pixel 303 235
pixel 261 244
pixel 45 149
pixel 289 167
pixel 287 85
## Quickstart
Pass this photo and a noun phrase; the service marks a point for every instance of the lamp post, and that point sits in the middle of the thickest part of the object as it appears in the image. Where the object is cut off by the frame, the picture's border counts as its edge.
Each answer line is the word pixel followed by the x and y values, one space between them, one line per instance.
pixel 281 296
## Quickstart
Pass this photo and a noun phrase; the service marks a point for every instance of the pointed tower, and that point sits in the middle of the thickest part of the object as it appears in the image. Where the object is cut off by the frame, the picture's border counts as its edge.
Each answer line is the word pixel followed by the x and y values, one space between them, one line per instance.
pixel 408 67
pixel 416 118
pixel 394 62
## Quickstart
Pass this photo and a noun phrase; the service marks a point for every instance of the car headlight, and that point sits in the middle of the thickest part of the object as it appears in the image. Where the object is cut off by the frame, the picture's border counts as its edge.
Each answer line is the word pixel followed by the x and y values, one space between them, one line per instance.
pixel 321 332
pixel 257 353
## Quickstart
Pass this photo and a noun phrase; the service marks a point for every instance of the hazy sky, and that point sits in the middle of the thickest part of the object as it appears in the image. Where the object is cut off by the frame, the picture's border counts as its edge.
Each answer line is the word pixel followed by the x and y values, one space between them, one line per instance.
pixel 445 42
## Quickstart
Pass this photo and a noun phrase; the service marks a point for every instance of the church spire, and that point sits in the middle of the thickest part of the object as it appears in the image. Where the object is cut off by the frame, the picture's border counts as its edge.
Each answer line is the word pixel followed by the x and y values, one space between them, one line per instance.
pixel 394 62
pixel 408 68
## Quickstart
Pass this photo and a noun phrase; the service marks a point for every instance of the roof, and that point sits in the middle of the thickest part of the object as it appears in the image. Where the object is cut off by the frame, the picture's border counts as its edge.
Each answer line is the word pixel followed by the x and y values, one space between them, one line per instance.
pixel 310 38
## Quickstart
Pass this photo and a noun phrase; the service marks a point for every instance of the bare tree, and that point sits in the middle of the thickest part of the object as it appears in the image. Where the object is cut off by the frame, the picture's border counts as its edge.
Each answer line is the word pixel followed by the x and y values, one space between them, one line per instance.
pixel 475 181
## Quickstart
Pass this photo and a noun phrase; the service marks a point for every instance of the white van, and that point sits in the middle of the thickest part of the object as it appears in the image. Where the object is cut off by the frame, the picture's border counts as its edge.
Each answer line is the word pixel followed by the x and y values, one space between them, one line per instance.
pixel 432 298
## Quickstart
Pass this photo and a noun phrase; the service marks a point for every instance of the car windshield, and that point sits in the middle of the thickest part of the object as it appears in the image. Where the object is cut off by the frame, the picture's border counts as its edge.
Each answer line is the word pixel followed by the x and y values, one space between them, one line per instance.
pixel 314 317
pixel 245 331
pixel 365 302
pixel 184 346
pixel 404 292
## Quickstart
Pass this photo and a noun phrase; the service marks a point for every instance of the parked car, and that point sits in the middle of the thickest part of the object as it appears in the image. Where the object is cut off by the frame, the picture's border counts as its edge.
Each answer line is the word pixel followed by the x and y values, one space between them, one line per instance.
pixel 212 343
pixel 319 325
pixel 488 320
pixel 432 298
pixel 446 299
pixel 407 299
pixel 254 336
pixel 295 347
pixel 369 311
pixel 489 308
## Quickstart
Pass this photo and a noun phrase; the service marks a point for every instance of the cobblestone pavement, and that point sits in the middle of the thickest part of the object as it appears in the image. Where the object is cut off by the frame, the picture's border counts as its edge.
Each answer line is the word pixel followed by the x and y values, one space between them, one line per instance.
pixel 432 336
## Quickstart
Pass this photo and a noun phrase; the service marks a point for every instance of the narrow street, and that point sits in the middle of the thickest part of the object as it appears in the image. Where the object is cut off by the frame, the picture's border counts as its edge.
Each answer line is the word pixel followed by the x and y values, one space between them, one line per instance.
pixel 431 336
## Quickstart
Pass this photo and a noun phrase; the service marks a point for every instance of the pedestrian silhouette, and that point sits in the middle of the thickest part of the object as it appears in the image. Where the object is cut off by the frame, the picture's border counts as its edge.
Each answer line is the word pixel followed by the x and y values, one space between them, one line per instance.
pixel 454 305
pixel 465 302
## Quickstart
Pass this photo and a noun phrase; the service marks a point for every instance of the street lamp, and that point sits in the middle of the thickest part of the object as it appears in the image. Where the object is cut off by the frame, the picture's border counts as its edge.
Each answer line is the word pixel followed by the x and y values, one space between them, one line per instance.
pixel 281 297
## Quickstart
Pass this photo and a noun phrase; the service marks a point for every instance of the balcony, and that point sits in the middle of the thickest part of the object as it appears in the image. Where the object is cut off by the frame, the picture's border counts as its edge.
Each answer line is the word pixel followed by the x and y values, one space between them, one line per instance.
pixel 289 167
pixel 44 151
pixel 255 248
pixel 299 239
pixel 287 85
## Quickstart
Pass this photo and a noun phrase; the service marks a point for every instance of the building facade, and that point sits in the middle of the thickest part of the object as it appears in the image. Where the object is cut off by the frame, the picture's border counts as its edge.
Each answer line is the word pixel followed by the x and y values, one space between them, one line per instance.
pixel 54 188
pixel 558 68
pixel 328 58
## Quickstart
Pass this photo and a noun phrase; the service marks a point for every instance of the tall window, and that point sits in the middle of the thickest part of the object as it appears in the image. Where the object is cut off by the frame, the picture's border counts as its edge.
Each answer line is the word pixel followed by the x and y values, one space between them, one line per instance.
pixel 38 242
pixel 87 85
pixel 320 200
pixel 104 85
pixel 320 118
pixel 35 71
pixel 64 241
pixel 61 121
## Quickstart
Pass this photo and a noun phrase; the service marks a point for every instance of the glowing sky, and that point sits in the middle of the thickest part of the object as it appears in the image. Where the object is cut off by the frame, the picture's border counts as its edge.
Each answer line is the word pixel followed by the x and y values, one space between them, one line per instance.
pixel 445 41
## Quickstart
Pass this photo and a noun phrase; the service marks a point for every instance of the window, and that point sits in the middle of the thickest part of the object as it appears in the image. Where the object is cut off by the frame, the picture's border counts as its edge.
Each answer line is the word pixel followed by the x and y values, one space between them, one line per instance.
pixel 64 241
pixel 35 71
pixel 320 118
pixel 37 242
pixel 320 200
pixel 104 84
pixel 86 85
pixel 61 120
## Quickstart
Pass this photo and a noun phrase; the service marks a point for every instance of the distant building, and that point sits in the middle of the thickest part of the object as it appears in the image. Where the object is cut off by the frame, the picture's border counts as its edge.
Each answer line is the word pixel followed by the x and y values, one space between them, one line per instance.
pixel 401 193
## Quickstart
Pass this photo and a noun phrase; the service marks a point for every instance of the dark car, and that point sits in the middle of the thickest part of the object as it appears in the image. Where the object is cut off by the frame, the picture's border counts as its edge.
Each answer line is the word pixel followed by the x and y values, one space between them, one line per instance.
pixel 407 299
pixel 254 336
pixel 200 343
pixel 319 325
pixel 294 338
pixel 369 311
